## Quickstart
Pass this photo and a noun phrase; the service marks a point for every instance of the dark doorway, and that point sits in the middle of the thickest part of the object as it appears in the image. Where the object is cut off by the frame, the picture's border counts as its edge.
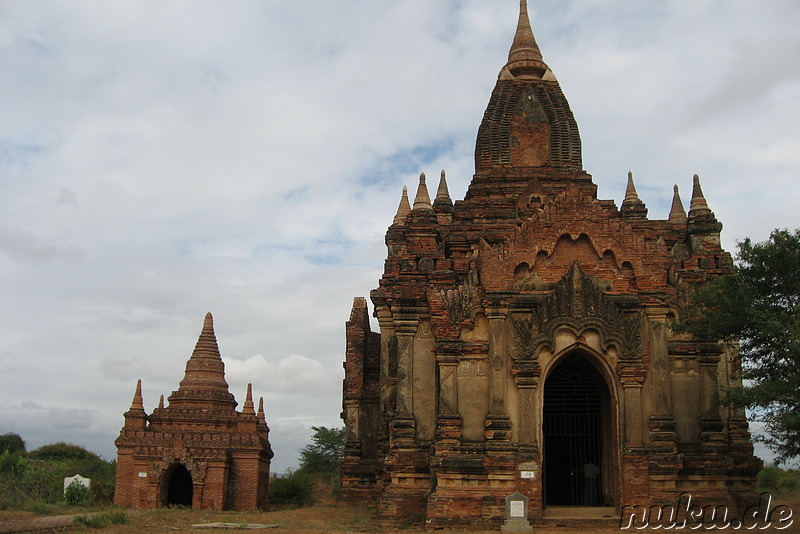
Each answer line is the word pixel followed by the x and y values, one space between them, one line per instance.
pixel 178 482
pixel 575 416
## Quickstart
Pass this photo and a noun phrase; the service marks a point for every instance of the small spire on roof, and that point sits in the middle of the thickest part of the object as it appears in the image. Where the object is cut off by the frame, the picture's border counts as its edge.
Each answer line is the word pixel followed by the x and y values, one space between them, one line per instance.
pixel 261 416
pixel 138 402
pixel 161 402
pixel 403 209
pixel 248 403
pixel 698 200
pixel 633 206
pixel 442 193
pixel 422 200
pixel 677 214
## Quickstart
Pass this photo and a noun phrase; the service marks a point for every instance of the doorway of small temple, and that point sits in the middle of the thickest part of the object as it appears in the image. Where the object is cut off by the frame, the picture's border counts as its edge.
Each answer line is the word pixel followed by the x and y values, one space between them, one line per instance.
pixel 178 486
pixel 576 422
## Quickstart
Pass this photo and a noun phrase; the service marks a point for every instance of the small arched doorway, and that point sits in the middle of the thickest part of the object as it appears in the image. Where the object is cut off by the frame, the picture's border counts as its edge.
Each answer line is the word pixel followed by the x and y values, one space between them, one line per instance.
pixel 177 486
pixel 576 429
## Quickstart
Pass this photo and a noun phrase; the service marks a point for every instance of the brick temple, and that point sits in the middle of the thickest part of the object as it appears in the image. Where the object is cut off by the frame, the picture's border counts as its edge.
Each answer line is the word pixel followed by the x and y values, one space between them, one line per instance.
pixel 525 340
pixel 198 451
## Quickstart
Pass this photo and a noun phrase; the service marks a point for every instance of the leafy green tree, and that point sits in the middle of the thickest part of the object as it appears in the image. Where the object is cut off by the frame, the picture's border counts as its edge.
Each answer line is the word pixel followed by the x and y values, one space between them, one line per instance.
pixel 758 306
pixel 324 455
pixel 12 443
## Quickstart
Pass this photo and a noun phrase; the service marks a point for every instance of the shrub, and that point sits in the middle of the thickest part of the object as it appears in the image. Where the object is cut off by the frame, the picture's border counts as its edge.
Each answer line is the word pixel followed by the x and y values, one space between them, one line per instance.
pixel 76 494
pixel 296 489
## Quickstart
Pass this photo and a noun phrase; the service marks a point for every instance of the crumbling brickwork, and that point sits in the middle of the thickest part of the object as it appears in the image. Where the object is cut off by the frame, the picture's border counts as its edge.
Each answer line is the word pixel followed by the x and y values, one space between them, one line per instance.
pixel 525 337
pixel 197 451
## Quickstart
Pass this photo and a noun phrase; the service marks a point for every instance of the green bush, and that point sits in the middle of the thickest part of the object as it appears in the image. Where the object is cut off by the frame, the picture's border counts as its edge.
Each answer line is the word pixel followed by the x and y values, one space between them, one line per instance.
pixel 76 494
pixel 296 489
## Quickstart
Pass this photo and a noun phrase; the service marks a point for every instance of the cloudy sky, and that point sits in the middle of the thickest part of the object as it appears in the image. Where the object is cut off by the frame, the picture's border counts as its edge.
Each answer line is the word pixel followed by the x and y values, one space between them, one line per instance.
pixel 159 160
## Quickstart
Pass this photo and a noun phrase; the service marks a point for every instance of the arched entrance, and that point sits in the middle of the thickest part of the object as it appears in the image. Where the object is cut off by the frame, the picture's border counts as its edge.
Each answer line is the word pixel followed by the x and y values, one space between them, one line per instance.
pixel 177 486
pixel 576 430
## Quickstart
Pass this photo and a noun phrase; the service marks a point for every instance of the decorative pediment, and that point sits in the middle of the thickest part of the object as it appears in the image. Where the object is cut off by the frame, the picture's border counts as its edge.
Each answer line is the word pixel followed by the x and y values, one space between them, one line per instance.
pixel 464 300
pixel 577 301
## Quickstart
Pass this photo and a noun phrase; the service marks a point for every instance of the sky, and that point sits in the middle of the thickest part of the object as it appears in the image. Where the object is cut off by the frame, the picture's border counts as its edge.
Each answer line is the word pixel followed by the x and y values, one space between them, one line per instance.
pixel 160 160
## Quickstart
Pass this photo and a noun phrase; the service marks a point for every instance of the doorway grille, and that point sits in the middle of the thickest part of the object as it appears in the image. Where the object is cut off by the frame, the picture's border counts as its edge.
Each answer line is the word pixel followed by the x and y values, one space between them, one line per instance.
pixel 573 434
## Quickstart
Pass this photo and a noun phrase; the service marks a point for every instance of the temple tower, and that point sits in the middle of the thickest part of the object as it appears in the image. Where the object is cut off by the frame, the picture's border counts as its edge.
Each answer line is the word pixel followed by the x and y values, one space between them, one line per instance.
pixel 198 451
pixel 525 339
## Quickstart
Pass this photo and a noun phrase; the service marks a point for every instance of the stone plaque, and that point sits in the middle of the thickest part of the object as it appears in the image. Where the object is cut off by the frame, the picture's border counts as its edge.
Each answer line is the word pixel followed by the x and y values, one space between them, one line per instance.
pixel 517 509
pixel 527 474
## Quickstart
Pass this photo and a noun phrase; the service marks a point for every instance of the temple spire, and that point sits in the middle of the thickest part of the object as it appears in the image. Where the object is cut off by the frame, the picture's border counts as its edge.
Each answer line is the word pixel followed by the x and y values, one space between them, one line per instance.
pixel 698 200
pixel 677 214
pixel 422 200
pixel 161 402
pixel 632 206
pixel 403 209
pixel 443 204
pixel 524 58
pixel 261 417
pixel 137 403
pixel 203 383
pixel 248 403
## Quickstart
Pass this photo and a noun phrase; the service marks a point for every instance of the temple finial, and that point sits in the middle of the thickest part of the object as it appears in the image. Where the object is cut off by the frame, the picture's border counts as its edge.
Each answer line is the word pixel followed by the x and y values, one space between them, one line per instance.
pixel 442 193
pixel 248 403
pixel 698 200
pixel 422 200
pixel 138 402
pixel 161 402
pixel 403 209
pixel 677 214
pixel 524 58
pixel 632 206
pixel 261 416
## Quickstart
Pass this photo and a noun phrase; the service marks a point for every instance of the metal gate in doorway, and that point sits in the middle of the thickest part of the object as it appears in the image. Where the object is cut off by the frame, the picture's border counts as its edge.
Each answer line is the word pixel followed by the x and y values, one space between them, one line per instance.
pixel 573 426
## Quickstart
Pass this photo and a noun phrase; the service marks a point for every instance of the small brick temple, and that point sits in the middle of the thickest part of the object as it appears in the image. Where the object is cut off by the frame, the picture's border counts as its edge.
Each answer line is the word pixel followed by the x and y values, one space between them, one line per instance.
pixel 525 340
pixel 198 451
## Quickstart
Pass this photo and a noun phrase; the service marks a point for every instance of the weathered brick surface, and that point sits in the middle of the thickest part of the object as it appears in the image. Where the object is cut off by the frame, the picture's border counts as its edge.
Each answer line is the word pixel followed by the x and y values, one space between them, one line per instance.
pixel 226 452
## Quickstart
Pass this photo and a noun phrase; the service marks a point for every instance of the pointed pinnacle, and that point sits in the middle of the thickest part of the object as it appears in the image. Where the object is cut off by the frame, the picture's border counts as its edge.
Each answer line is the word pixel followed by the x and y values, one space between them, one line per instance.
pixel 698 200
pixel 248 403
pixel 630 191
pixel 525 58
pixel 261 416
pixel 422 200
pixel 403 209
pixel 442 193
pixel 206 346
pixel 676 213
pixel 138 402
pixel 161 403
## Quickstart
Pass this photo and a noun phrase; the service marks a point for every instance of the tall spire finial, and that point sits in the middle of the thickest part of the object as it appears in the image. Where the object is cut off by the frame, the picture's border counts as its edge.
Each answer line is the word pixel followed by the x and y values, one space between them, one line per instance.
pixel 698 200
pixel 677 214
pixel 632 206
pixel 403 209
pixel 248 403
pixel 422 200
pixel 524 58
pixel 138 402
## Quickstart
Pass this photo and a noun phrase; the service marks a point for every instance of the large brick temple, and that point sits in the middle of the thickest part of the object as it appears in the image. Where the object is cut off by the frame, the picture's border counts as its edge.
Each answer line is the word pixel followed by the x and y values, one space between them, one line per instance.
pixel 525 339
pixel 198 451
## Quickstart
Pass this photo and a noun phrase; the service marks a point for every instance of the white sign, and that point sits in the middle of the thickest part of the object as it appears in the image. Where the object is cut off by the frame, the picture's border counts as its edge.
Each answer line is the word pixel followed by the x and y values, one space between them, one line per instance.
pixel 85 482
pixel 142 475
pixel 527 474
pixel 517 508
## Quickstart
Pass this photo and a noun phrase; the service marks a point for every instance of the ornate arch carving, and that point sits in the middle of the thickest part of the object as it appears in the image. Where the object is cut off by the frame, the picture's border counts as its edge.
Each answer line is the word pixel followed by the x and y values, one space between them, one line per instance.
pixel 577 302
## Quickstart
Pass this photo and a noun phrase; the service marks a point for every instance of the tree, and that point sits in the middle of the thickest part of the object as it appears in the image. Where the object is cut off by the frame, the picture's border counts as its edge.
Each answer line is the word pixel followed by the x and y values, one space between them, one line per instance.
pixel 758 306
pixel 13 443
pixel 325 454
